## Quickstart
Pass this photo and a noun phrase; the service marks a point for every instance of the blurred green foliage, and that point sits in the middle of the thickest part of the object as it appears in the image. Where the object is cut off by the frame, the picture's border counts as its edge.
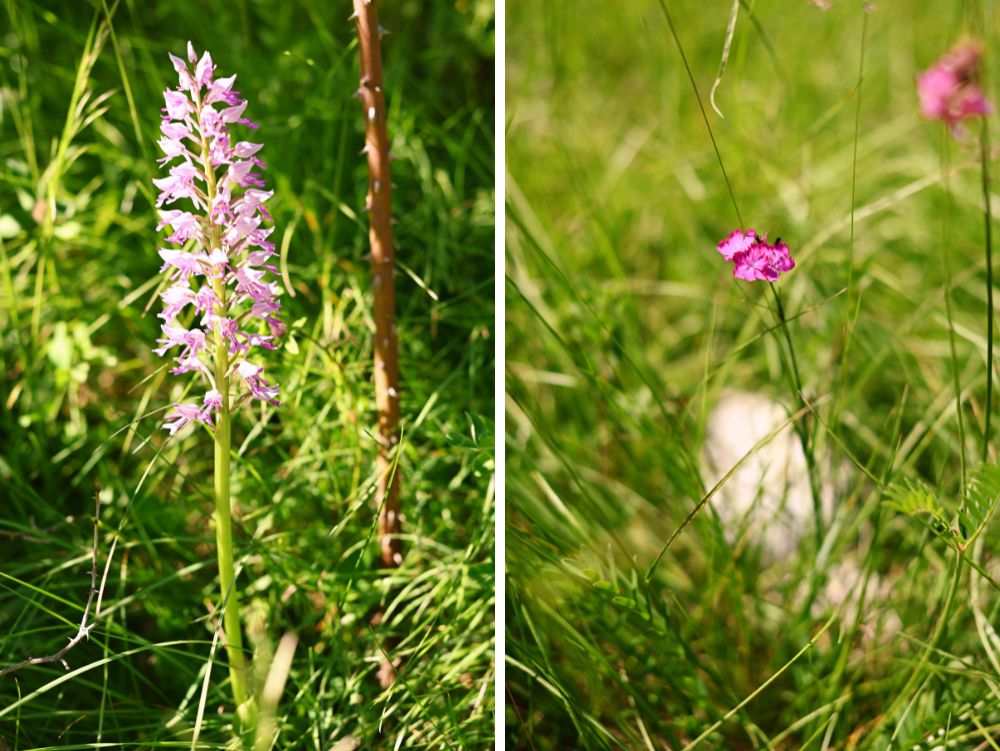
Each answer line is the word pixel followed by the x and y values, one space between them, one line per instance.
pixel 625 327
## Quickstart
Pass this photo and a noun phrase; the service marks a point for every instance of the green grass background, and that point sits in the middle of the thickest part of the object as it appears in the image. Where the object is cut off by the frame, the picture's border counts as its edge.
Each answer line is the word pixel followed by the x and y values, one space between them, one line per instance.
pixel 82 397
pixel 624 326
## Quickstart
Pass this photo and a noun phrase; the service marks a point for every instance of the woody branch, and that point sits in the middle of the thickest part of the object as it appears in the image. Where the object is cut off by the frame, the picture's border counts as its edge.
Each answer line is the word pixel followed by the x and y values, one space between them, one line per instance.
pixel 379 206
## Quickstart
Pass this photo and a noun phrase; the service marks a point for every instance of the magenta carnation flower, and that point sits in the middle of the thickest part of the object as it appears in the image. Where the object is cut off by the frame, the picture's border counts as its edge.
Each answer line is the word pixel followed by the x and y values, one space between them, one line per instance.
pixel 221 294
pixel 754 258
pixel 949 91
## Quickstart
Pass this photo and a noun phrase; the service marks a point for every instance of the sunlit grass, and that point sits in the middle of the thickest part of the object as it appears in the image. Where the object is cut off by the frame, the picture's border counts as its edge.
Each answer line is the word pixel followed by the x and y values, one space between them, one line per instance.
pixel 82 397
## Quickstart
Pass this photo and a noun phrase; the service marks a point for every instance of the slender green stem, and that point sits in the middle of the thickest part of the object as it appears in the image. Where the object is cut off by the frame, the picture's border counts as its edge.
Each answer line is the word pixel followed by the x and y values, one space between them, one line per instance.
pixel 704 115
pixel 946 265
pixel 853 303
pixel 788 340
pixel 223 500
pixel 984 150
pixel 854 166
pixel 224 531
pixel 801 427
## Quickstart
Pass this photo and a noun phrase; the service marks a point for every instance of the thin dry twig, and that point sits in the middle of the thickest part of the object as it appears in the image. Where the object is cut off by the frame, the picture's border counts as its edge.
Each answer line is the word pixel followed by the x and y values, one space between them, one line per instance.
pixel 86 624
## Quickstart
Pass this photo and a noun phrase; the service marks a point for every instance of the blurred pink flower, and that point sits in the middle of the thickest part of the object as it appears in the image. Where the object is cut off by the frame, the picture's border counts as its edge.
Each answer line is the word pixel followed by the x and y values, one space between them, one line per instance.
pixel 754 258
pixel 949 90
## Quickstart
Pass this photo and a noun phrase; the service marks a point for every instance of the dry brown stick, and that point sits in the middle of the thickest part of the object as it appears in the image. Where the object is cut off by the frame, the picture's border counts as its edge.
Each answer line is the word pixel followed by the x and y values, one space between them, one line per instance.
pixel 83 632
pixel 379 206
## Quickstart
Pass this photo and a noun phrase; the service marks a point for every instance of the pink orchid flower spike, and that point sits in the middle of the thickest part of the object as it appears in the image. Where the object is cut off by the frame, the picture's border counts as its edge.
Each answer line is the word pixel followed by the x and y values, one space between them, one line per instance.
pixel 221 292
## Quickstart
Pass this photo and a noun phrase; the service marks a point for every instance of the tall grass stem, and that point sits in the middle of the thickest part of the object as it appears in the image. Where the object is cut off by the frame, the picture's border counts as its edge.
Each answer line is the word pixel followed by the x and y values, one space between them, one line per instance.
pixel 853 302
pixel 704 114
pixel 988 221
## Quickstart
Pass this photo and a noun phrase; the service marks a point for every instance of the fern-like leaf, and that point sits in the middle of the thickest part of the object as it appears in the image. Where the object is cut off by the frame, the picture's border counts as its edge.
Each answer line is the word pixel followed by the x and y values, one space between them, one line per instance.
pixel 979 503
pixel 913 498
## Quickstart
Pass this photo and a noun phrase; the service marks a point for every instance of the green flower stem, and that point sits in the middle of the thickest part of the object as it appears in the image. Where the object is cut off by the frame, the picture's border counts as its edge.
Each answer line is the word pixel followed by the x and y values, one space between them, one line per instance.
pixel 801 426
pixel 224 532
pixel 223 502
pixel 946 267
pixel 984 149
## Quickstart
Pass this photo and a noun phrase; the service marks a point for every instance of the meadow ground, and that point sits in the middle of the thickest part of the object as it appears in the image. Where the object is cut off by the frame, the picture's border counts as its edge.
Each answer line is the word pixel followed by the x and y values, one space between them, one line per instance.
pixel 625 330
pixel 82 397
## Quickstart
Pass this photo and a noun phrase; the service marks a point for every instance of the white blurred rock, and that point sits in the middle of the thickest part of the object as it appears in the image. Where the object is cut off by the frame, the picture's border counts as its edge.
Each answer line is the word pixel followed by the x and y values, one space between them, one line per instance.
pixel 845 581
pixel 767 502
pixel 768 497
